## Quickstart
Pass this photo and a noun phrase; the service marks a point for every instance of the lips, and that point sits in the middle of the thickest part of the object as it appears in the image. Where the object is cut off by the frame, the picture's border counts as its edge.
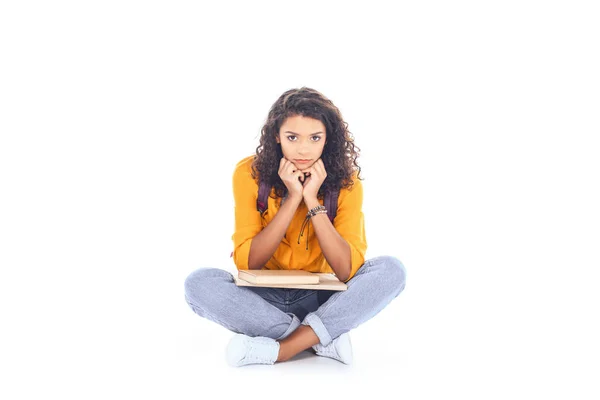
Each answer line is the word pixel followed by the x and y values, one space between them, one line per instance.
pixel 302 161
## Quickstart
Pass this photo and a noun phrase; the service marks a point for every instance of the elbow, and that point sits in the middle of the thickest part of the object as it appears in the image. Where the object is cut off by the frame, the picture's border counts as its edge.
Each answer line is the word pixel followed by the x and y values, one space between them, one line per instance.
pixel 252 264
pixel 345 268
pixel 251 261
pixel 344 278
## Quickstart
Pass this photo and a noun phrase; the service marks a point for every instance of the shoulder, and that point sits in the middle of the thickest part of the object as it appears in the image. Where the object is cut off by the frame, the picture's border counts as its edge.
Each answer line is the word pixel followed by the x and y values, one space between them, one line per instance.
pixel 245 164
pixel 354 192
pixel 242 174
pixel 356 184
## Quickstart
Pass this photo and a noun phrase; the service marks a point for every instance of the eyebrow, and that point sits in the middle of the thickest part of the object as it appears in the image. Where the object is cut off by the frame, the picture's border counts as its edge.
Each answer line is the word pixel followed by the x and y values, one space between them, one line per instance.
pixel 293 133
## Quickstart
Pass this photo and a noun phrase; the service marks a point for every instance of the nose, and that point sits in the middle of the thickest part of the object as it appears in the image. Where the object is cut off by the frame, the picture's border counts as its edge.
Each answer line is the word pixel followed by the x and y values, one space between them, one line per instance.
pixel 303 149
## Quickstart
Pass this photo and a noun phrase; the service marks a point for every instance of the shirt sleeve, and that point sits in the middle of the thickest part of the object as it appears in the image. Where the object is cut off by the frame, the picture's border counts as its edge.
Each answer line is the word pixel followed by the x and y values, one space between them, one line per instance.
pixel 247 218
pixel 350 224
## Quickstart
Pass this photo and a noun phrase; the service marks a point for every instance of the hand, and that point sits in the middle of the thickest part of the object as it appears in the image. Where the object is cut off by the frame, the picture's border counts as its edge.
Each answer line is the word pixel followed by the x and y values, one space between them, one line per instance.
pixel 292 178
pixel 315 177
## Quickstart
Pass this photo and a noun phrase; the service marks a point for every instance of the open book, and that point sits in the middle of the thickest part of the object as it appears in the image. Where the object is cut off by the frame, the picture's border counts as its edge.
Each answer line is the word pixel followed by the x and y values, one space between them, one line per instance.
pixel 295 279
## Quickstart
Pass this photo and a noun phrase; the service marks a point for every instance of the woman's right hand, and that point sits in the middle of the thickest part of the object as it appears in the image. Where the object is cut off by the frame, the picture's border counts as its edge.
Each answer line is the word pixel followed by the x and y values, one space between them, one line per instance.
pixel 292 178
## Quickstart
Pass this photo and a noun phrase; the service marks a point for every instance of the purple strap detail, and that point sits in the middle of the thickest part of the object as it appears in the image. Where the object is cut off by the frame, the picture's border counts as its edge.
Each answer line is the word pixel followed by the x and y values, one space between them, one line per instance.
pixel 262 202
pixel 330 203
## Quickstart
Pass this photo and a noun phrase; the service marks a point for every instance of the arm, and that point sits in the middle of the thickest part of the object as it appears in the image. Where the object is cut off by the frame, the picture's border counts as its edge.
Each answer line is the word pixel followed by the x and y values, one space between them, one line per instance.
pixel 248 222
pixel 264 244
pixel 335 249
pixel 344 243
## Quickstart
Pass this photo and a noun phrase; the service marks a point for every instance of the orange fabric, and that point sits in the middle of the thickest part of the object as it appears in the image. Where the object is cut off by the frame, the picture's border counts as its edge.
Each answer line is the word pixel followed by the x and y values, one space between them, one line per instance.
pixel 349 223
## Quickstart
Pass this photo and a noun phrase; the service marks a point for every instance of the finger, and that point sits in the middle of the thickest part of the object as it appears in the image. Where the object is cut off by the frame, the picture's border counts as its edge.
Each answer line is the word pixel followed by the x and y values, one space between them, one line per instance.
pixel 307 172
pixel 282 164
pixel 312 170
pixel 320 168
pixel 300 176
pixel 307 169
pixel 289 167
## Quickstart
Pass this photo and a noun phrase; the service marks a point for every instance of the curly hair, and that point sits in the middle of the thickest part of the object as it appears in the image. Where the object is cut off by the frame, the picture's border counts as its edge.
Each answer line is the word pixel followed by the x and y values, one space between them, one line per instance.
pixel 339 153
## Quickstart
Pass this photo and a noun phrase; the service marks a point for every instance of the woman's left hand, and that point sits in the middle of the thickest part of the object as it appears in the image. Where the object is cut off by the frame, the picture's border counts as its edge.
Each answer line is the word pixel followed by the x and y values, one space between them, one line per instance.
pixel 313 182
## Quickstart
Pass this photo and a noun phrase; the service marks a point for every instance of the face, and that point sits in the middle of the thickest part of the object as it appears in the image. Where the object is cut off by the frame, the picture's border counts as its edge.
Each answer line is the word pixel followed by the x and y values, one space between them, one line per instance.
pixel 302 138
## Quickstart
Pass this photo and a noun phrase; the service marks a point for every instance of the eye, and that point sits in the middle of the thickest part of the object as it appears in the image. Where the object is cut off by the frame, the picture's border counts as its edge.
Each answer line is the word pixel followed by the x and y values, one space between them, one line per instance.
pixel 313 137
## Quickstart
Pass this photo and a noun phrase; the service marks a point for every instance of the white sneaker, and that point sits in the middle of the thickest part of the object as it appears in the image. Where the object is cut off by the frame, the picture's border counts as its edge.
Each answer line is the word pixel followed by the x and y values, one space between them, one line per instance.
pixel 243 350
pixel 339 349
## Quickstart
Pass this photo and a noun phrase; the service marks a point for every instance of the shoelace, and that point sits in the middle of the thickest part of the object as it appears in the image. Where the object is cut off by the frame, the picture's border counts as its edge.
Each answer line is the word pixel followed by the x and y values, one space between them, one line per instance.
pixel 309 215
pixel 328 350
pixel 255 351
pixel 305 224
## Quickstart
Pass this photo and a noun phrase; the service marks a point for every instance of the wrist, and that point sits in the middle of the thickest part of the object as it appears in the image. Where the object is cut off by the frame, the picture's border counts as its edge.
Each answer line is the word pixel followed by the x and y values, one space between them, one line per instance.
pixel 295 198
pixel 311 202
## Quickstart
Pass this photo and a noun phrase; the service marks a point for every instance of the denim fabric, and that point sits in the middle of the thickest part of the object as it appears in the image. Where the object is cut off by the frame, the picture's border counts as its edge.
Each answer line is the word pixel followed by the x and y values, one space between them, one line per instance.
pixel 276 312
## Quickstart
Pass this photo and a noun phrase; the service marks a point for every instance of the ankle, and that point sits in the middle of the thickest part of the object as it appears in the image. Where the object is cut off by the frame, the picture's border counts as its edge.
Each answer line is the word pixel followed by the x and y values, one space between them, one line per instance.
pixel 283 355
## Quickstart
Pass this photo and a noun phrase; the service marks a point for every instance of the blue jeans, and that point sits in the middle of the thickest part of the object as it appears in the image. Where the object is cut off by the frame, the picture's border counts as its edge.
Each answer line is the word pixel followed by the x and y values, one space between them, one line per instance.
pixel 276 312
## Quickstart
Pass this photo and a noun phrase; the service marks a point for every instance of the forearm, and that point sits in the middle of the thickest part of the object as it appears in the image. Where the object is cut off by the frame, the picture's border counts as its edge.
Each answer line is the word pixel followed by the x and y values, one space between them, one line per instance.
pixel 335 249
pixel 265 243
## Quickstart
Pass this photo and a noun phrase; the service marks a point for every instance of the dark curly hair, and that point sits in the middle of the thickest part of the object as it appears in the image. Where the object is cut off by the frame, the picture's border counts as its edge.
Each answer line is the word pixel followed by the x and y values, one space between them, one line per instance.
pixel 339 153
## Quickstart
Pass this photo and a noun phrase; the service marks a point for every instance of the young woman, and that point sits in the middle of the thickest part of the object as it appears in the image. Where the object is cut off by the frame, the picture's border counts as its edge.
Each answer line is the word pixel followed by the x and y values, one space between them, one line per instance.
pixel 305 150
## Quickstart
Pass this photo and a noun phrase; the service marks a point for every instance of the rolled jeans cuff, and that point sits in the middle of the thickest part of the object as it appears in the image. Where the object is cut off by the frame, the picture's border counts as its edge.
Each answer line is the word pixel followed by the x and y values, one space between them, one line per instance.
pixel 295 324
pixel 316 324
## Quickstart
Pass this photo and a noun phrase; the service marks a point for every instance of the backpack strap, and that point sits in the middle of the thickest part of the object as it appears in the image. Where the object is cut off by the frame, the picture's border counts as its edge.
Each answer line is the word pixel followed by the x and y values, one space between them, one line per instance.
pixel 262 202
pixel 331 203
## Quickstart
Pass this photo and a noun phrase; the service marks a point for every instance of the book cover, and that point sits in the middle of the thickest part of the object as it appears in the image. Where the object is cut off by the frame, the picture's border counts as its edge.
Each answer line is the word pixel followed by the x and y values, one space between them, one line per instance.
pixel 262 276
pixel 327 281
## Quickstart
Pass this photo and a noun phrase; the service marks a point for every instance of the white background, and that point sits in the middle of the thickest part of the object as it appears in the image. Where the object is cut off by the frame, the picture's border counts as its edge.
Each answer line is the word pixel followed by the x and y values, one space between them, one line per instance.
pixel 121 123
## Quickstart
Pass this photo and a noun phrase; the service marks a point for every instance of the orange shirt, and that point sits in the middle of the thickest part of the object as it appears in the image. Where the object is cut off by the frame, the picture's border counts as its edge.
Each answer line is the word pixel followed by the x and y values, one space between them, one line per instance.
pixel 349 223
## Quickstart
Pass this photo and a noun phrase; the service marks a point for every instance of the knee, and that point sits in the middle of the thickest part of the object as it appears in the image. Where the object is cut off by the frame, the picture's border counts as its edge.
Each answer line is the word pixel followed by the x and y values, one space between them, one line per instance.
pixel 395 272
pixel 202 281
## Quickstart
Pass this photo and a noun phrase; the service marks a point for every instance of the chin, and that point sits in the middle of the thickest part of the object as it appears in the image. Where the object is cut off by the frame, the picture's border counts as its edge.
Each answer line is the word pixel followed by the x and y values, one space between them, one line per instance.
pixel 304 166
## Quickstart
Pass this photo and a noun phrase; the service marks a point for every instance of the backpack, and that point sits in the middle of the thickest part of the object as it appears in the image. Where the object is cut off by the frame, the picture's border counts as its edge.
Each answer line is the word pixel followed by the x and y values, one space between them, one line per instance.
pixel 330 200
